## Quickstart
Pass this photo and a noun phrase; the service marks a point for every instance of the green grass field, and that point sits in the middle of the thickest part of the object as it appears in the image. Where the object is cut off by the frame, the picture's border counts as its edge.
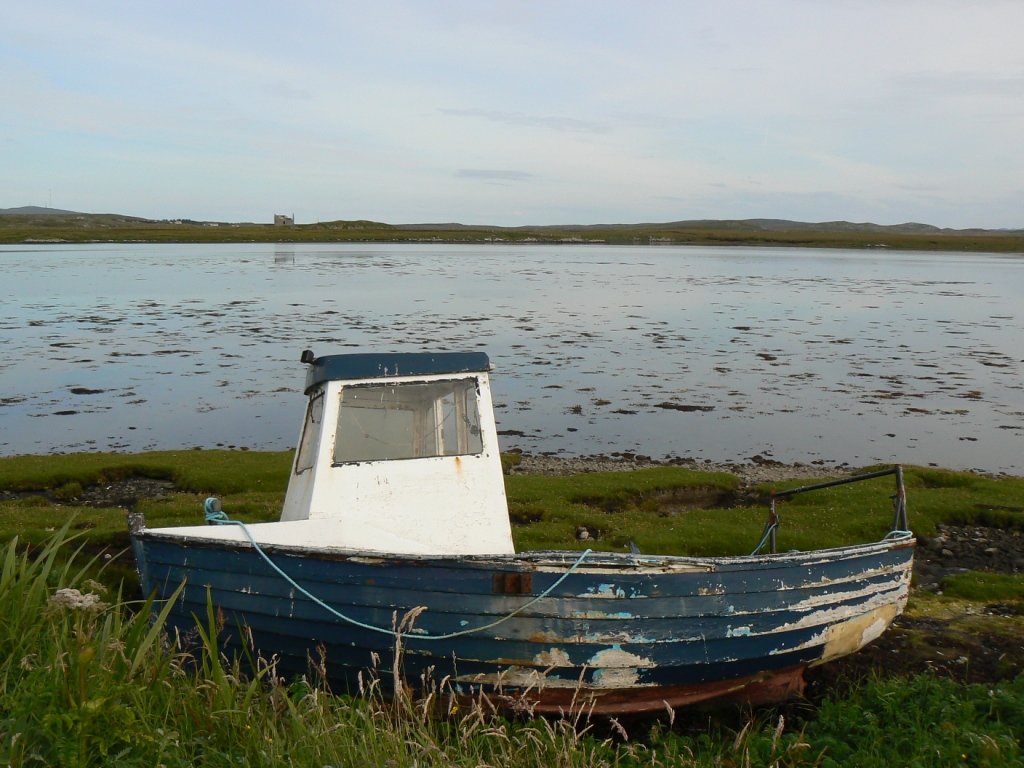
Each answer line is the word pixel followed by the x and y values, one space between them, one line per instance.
pixel 652 507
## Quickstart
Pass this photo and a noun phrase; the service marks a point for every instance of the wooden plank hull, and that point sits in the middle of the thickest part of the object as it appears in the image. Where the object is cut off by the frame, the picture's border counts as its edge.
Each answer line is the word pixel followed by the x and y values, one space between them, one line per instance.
pixel 620 634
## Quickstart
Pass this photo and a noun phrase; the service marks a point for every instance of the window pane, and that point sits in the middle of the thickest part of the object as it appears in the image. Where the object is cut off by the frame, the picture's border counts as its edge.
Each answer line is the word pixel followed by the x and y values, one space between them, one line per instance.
pixel 310 441
pixel 407 421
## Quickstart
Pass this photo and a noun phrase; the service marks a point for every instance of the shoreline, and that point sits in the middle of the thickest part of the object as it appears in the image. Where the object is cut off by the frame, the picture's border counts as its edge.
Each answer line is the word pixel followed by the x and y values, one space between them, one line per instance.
pixel 759 470
pixel 755 471
pixel 35 229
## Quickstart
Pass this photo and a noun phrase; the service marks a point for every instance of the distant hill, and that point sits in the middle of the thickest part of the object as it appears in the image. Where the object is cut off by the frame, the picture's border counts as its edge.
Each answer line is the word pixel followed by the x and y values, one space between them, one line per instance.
pixel 716 225
pixel 33 224
pixel 37 210
pixel 741 225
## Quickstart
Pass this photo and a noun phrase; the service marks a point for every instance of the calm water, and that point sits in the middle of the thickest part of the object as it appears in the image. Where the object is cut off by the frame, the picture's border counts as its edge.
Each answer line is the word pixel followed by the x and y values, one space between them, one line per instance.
pixel 797 354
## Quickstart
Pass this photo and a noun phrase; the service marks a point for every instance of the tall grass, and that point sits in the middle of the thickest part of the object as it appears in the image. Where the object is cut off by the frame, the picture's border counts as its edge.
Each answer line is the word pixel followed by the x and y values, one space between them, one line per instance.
pixel 86 680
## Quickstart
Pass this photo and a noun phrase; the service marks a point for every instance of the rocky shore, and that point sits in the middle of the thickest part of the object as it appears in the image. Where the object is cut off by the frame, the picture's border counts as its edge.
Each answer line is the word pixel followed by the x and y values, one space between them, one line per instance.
pixel 758 470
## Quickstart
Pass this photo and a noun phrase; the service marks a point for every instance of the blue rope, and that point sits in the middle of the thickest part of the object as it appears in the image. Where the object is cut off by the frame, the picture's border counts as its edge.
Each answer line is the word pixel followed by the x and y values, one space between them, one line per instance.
pixel 218 517
pixel 214 514
pixel 896 533
pixel 767 532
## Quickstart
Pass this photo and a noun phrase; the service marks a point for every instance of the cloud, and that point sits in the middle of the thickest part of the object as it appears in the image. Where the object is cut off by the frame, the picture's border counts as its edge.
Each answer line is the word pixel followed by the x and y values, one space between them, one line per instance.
pixel 569 124
pixel 493 175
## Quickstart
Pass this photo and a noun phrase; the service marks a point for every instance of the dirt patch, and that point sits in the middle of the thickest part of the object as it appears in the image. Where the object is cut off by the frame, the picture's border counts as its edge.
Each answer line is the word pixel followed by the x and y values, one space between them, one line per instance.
pixel 124 493
pixel 674 501
pixel 680 500
pixel 965 651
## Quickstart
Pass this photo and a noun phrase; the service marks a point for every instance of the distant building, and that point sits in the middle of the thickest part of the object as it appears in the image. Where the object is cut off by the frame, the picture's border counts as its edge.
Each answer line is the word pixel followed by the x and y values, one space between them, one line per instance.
pixel 282 220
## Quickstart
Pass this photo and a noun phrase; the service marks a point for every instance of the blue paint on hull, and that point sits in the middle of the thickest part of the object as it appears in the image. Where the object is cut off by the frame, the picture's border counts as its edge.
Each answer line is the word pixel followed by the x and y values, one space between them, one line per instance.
pixel 618 625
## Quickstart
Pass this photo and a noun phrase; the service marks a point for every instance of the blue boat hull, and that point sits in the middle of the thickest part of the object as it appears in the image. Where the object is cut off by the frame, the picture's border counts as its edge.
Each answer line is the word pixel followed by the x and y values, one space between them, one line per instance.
pixel 619 634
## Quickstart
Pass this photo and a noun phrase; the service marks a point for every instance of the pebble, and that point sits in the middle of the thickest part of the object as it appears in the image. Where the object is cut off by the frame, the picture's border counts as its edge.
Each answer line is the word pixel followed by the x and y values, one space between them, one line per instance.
pixel 752 474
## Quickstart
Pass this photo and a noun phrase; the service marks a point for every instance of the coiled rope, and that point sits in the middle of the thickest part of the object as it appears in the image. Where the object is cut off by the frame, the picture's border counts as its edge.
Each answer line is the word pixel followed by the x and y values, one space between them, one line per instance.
pixel 216 516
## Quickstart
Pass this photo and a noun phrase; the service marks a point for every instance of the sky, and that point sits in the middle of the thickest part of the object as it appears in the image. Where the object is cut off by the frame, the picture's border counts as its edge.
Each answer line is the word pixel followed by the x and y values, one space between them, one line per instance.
pixel 517 113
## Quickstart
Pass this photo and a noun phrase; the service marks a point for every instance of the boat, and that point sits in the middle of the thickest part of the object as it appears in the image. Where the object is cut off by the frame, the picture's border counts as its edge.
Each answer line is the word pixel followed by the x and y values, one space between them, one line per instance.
pixel 395 548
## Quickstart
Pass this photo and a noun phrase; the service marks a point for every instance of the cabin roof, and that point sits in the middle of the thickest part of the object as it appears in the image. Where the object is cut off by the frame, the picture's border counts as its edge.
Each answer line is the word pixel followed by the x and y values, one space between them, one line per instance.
pixel 373 365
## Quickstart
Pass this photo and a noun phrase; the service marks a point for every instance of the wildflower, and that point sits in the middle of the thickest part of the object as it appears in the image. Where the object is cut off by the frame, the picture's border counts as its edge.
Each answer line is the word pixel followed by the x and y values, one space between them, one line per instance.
pixel 74 600
pixel 94 586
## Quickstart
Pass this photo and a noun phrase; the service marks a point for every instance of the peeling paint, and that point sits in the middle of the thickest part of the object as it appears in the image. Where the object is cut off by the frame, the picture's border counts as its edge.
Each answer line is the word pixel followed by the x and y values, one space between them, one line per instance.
pixel 831 619
pixel 556 657
pixel 901 575
pixel 849 636
pixel 718 589
pixel 617 668
pixel 616 658
pixel 604 590
pixel 599 615
pixel 546 637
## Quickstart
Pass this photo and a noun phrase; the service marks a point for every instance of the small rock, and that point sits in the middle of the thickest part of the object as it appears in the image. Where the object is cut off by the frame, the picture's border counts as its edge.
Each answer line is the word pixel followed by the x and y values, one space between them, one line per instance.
pixel 947 553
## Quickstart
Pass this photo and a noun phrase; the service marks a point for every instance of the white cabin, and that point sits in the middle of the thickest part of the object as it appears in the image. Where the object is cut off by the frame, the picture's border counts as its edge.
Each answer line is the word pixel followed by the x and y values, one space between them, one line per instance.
pixel 398 454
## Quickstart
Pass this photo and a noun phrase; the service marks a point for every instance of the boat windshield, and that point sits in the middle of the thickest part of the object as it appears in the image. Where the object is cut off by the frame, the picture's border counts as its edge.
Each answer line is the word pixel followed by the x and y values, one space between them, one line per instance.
pixel 408 421
pixel 310 442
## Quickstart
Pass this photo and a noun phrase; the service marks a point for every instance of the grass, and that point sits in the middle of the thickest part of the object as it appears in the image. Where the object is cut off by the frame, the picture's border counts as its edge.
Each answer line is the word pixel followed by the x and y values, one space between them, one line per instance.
pixel 617 506
pixel 86 680
pixel 112 228
pixel 224 472
pixel 654 508
pixel 638 506
pixel 252 485
pixel 984 587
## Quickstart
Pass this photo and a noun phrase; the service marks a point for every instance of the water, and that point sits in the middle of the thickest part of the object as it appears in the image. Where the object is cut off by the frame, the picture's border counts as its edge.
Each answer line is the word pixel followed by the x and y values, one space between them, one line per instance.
pixel 718 353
